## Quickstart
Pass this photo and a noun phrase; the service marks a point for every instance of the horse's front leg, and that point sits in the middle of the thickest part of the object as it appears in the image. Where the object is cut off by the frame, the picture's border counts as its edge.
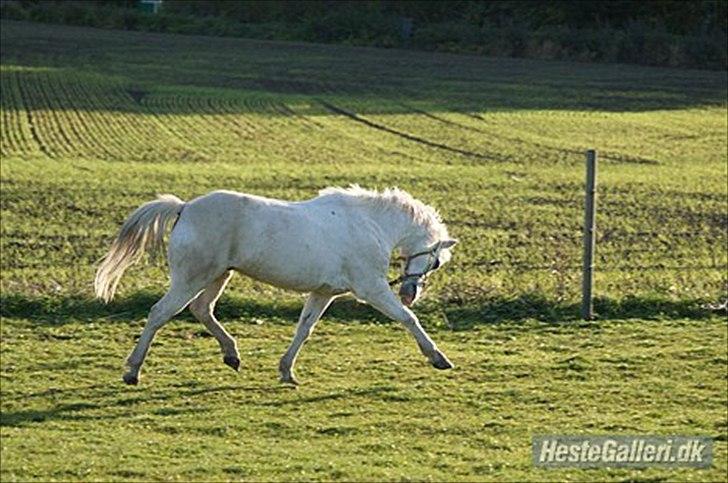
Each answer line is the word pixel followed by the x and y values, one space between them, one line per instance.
pixel 381 298
pixel 314 307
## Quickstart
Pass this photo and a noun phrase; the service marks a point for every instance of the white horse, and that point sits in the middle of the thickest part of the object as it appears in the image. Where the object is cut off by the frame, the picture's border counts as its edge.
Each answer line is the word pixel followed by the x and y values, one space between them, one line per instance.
pixel 337 243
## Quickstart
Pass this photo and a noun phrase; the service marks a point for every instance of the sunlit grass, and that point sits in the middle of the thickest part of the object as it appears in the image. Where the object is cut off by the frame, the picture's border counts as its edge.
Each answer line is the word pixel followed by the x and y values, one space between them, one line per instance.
pixel 94 123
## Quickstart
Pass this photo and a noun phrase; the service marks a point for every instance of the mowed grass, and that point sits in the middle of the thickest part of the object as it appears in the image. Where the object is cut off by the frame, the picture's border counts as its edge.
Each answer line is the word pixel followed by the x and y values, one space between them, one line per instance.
pixel 95 123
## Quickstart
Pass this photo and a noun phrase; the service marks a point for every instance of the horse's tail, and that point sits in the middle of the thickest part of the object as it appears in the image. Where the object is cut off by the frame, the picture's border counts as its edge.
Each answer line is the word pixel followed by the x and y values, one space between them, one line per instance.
pixel 142 232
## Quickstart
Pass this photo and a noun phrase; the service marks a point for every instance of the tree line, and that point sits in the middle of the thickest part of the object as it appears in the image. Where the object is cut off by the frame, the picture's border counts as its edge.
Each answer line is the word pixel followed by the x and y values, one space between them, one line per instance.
pixel 654 32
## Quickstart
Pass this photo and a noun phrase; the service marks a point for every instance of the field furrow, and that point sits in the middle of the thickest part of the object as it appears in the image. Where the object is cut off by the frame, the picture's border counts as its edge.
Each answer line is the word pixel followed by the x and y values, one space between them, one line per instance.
pixel 106 131
pixel 52 124
pixel 34 121
pixel 81 138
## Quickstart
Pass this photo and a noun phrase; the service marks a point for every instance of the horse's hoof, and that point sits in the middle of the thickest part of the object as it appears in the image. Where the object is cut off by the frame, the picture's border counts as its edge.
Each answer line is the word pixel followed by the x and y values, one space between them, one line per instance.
pixel 440 361
pixel 232 361
pixel 288 379
pixel 131 379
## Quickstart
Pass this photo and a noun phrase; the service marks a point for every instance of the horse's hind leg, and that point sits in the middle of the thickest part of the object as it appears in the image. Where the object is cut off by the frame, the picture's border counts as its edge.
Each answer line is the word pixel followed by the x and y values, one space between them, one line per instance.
pixel 176 299
pixel 314 307
pixel 203 307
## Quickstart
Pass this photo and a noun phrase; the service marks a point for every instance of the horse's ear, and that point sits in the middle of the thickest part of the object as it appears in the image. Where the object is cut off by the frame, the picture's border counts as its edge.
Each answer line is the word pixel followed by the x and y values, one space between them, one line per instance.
pixel 448 243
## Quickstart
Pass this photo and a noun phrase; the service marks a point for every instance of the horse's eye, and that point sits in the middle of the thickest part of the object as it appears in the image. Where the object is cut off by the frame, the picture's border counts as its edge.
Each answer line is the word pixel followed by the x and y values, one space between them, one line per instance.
pixel 436 265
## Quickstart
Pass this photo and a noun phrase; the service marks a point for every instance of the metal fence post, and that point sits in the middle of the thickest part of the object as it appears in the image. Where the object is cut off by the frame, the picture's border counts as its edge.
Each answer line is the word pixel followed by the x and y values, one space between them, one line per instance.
pixel 587 308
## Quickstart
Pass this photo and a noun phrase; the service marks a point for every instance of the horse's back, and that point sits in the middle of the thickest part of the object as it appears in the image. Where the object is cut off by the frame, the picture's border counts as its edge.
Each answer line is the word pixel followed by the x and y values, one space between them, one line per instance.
pixel 225 199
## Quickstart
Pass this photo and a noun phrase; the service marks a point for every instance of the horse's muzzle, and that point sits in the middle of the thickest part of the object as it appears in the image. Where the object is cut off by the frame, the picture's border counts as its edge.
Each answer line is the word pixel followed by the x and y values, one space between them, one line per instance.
pixel 408 293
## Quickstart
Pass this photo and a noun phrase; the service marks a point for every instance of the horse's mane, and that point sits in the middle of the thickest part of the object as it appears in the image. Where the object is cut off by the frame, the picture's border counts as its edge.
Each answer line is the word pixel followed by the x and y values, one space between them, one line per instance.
pixel 393 198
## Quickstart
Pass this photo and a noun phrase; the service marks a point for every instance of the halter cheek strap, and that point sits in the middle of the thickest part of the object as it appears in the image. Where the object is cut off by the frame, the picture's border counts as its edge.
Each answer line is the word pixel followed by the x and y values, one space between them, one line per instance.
pixel 432 251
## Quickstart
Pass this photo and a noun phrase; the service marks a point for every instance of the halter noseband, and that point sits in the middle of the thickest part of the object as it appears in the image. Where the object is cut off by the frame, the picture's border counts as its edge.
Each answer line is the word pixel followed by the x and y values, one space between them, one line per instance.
pixel 430 264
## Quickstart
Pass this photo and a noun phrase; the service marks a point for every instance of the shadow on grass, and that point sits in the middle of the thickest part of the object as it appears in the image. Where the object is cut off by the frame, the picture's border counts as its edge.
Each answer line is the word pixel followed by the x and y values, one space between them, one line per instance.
pixel 78 412
pixel 112 401
pixel 56 310
pixel 115 401
pixel 62 411
pixel 541 308
pixel 348 393
pixel 52 311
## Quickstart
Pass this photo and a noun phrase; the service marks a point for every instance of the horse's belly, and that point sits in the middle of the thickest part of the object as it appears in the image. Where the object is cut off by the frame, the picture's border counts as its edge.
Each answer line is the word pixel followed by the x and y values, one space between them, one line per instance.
pixel 303 281
pixel 273 280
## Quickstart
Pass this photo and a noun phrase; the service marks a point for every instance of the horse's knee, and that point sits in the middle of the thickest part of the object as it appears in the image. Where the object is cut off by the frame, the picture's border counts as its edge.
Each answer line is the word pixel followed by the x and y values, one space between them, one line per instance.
pixel 158 316
pixel 154 315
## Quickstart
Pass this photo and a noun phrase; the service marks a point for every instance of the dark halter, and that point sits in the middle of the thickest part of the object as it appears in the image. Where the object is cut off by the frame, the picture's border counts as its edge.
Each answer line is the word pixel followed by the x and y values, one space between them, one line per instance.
pixel 430 264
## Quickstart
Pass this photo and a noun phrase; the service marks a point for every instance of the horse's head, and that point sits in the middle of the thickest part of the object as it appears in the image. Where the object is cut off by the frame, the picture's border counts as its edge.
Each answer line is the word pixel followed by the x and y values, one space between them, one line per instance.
pixel 418 265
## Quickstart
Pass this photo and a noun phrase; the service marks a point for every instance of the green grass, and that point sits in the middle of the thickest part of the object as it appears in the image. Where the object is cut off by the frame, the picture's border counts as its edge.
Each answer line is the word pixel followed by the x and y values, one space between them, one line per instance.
pixel 95 123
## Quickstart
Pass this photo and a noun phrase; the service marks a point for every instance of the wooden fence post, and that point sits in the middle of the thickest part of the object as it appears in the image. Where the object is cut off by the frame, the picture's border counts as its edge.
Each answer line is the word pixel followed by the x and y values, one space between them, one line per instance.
pixel 587 307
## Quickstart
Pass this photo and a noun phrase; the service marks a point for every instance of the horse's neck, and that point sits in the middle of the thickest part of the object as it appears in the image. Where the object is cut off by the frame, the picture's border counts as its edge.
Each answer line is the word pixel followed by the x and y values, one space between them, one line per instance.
pixel 398 230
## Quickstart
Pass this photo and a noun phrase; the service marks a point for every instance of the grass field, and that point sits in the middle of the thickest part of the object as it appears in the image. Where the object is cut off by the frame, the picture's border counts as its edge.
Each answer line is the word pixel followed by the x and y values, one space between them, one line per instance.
pixel 94 123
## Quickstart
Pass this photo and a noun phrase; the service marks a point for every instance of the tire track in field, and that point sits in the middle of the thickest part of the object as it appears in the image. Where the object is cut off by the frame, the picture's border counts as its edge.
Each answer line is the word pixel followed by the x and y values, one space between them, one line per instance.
pixel 286 111
pixel 386 94
pixel 621 157
pixel 315 138
pixel 281 130
pixel 603 153
pixel 331 133
pixel 410 137
pixel 434 117
pixel 492 146
pixel 227 113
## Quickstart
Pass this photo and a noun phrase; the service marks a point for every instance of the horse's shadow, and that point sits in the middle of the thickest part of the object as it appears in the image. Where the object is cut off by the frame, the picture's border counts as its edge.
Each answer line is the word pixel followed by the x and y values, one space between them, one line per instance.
pixel 66 412
pixel 107 402
pixel 59 310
